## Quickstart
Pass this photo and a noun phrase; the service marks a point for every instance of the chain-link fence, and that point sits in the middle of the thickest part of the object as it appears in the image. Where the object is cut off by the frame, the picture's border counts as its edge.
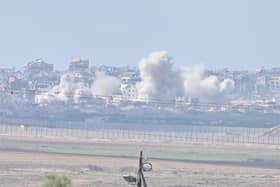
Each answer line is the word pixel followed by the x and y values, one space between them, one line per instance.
pixel 192 134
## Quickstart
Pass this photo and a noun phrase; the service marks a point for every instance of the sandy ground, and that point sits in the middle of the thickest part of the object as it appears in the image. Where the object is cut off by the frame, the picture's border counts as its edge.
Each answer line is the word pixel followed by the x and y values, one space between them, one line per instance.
pixel 29 168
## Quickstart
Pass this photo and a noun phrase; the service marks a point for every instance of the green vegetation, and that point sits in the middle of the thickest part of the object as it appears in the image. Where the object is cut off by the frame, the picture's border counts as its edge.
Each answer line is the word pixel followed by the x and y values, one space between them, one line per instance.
pixel 54 180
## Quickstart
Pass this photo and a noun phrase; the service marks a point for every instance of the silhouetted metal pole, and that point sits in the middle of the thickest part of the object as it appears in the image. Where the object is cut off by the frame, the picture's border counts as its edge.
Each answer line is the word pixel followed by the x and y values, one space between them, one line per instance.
pixel 140 176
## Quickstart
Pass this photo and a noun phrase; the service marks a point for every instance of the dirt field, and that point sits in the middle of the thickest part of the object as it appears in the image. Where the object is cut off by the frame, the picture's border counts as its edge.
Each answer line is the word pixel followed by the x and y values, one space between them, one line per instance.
pixel 26 161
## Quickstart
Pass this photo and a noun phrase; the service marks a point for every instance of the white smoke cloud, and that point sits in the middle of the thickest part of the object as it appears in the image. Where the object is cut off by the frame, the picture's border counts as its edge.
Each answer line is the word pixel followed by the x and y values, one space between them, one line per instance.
pixel 82 95
pixel 159 78
pixel 105 85
pixel 227 86
pixel 70 89
pixel 197 84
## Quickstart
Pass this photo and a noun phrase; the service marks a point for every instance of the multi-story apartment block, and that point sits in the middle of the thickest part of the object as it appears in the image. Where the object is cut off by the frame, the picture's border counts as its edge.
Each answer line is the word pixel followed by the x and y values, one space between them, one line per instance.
pixel 78 64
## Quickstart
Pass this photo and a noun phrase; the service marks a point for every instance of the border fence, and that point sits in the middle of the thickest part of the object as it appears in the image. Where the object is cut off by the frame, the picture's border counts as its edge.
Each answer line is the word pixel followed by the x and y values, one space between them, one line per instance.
pixel 194 134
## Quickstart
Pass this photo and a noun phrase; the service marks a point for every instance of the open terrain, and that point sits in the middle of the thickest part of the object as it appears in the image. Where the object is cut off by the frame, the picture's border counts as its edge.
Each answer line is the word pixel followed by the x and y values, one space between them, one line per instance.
pixel 24 161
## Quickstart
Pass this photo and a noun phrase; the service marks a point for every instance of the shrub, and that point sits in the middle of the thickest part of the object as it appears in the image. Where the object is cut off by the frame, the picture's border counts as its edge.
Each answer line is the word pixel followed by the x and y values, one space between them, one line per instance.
pixel 54 180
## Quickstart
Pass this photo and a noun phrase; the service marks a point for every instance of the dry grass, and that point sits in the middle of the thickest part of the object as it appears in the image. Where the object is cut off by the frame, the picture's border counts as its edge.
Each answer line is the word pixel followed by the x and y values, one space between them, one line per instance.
pixel 23 168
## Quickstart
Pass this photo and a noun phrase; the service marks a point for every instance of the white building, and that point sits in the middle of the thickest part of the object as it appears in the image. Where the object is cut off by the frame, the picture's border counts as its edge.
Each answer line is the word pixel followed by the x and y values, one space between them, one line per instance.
pixel 78 64
pixel 129 91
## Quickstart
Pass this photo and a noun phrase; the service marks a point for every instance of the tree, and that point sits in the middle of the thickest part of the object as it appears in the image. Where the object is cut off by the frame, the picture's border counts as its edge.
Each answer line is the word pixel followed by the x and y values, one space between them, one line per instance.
pixel 54 180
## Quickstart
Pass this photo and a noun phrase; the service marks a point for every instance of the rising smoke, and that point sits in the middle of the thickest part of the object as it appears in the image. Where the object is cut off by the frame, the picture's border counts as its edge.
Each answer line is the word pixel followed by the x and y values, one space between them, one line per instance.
pixel 198 85
pixel 71 89
pixel 105 85
pixel 162 81
pixel 159 78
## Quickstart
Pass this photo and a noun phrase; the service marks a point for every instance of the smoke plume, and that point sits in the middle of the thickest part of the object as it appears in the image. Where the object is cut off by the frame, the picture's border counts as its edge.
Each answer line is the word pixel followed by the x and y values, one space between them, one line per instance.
pixel 159 78
pixel 198 85
pixel 105 85
pixel 70 89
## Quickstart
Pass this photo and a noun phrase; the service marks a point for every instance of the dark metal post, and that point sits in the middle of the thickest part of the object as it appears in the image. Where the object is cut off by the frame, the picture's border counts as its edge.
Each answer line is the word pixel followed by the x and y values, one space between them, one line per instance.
pixel 140 176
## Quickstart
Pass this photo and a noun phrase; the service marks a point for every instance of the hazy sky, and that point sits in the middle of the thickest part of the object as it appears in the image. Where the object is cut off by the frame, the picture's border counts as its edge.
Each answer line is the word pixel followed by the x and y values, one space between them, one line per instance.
pixel 237 34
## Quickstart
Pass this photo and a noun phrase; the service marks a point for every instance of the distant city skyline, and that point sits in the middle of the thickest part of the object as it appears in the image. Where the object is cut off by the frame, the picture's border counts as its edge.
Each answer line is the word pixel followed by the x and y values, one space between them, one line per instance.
pixel 239 35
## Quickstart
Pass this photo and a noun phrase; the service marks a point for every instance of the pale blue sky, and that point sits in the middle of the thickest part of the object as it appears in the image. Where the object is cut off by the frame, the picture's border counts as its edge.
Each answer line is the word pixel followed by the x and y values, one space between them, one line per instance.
pixel 237 34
